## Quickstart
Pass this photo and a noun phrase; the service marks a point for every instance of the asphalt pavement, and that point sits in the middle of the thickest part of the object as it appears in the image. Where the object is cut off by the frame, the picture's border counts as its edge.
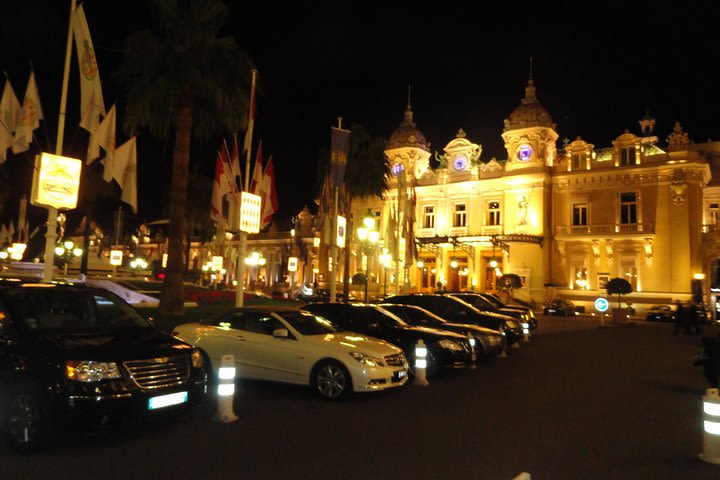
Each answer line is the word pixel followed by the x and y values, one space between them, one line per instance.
pixel 577 402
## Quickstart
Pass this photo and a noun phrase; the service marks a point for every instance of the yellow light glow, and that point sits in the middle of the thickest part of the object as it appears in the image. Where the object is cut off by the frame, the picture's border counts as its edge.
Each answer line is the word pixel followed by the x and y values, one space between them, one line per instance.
pixel 699 276
pixel 453 264
pixel 420 264
pixel 56 181
pixel 493 263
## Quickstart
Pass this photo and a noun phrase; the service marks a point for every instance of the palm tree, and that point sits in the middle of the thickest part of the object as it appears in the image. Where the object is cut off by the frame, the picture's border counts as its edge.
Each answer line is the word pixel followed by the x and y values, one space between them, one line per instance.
pixel 366 175
pixel 183 79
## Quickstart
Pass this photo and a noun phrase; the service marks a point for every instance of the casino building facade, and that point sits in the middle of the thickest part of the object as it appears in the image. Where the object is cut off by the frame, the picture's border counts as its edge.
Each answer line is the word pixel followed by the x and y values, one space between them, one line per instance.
pixel 565 218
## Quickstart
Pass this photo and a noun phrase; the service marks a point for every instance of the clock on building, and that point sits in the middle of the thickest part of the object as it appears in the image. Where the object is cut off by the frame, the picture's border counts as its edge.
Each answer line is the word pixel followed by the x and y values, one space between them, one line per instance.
pixel 524 152
pixel 460 163
pixel 397 168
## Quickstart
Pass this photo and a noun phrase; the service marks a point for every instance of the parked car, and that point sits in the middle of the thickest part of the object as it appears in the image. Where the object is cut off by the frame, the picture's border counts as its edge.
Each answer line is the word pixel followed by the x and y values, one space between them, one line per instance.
pixel 560 307
pixel 660 313
pixel 455 310
pixel 289 345
pixel 487 343
pixel 500 303
pixel 444 349
pixel 492 304
pixel 70 353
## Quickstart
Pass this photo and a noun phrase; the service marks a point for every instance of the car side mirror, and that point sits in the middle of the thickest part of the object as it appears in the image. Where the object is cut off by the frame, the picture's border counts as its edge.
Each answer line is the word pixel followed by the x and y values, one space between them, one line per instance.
pixel 281 333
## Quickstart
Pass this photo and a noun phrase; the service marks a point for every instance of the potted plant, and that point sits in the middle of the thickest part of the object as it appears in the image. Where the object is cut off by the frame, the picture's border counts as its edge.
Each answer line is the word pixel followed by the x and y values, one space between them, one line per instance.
pixel 619 286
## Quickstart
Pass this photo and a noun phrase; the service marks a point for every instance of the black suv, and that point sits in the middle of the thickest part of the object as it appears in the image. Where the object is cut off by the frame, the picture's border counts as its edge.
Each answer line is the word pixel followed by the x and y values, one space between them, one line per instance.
pixel 444 349
pixel 75 353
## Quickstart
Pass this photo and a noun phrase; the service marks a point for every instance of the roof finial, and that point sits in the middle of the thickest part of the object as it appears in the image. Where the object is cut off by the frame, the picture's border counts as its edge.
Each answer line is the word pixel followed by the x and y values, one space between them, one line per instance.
pixel 408 118
pixel 409 104
pixel 530 81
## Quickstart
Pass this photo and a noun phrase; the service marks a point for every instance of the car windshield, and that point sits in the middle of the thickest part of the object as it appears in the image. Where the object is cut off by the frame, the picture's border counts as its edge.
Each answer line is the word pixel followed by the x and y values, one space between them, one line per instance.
pixel 308 324
pixel 493 301
pixel 414 315
pixel 476 301
pixel 63 310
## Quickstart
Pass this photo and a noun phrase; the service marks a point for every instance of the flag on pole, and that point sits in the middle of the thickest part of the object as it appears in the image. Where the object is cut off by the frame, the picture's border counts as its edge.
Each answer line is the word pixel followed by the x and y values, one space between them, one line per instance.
pixel 10 113
pixel 220 189
pixel 225 156
pixel 411 253
pixel 91 97
pixel 339 145
pixel 269 194
pixel 22 220
pixel 4 235
pixel 11 231
pixel 235 172
pixel 251 116
pixel 30 118
pixel 257 174
pixel 104 136
pixel 391 232
pixel 124 171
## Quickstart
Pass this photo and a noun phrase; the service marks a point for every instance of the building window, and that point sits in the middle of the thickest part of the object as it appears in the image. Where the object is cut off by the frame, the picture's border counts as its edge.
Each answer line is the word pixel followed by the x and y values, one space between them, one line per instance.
pixel 577 161
pixel 579 214
pixel 493 213
pixel 459 215
pixel 628 208
pixel 713 213
pixel 627 156
pixel 428 216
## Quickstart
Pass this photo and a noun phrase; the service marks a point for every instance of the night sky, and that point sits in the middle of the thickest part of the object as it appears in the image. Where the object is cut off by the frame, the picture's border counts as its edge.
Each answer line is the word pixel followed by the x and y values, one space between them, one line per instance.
pixel 598 68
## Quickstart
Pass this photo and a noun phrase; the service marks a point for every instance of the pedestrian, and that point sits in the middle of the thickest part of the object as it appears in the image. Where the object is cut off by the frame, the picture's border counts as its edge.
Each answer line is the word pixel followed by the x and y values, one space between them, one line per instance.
pixel 709 359
pixel 680 318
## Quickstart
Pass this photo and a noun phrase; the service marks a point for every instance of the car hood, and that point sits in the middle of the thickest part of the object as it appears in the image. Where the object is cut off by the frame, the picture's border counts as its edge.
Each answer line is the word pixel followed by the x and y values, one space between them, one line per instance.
pixel 117 345
pixel 427 332
pixel 474 328
pixel 353 342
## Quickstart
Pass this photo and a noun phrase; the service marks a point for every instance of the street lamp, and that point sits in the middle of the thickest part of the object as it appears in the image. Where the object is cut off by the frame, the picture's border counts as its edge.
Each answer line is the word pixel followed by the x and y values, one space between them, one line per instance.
pixel 67 251
pixel 369 237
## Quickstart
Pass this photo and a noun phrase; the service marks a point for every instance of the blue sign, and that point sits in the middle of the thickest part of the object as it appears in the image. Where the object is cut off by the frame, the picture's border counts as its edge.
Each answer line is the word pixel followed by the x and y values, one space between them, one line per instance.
pixel 601 304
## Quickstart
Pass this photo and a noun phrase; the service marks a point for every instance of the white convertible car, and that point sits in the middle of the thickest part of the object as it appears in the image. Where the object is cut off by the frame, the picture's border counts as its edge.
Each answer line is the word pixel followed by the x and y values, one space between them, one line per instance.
pixel 289 345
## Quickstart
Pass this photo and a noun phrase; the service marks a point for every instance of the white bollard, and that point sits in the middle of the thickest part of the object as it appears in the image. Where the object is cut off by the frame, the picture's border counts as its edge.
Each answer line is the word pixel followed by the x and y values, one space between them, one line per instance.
pixel 711 427
pixel 421 364
pixel 473 354
pixel 226 390
pixel 526 332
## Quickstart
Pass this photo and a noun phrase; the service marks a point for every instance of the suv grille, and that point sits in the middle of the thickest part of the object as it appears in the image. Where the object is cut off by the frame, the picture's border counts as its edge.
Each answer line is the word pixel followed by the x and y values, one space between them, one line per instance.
pixel 159 372
pixel 397 360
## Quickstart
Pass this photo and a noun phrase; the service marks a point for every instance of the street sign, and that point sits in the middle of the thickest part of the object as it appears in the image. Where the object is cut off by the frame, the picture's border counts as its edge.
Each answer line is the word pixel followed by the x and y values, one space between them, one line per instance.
pixel 116 257
pixel 601 304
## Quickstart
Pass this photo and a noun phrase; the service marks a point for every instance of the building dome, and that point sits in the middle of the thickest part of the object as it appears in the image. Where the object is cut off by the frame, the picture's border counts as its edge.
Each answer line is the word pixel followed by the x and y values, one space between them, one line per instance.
pixel 529 113
pixel 407 134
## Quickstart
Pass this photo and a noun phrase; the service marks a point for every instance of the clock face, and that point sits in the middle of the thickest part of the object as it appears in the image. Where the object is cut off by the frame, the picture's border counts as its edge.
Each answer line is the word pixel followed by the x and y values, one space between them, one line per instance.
pixel 397 168
pixel 460 163
pixel 524 152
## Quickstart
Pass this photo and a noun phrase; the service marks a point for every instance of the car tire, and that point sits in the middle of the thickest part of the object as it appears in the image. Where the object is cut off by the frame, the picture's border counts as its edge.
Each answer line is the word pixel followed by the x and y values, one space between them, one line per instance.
pixel 331 380
pixel 27 423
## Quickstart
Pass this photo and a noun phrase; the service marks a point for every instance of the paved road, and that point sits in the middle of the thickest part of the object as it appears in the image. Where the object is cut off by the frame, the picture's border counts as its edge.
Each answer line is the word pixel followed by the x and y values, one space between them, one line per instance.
pixel 578 402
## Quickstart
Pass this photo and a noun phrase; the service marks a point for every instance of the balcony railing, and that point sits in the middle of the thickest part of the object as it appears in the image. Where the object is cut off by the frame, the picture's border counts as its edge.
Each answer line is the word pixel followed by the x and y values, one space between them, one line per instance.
pixel 605 229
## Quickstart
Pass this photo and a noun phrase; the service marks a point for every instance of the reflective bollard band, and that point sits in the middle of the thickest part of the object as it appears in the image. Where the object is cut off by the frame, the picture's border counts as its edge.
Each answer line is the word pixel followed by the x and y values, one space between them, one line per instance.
pixel 420 364
pixel 711 426
pixel 473 353
pixel 226 390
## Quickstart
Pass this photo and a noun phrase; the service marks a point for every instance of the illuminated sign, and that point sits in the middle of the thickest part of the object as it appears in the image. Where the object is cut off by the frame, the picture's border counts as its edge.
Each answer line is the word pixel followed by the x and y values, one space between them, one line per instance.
pixel 601 304
pixel 56 181
pixel 341 229
pixel 250 208
pixel 292 264
pixel 217 262
pixel 116 257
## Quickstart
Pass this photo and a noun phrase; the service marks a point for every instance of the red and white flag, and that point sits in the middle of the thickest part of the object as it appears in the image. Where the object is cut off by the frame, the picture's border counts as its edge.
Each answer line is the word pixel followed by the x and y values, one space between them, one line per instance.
pixel 91 96
pixel 269 194
pixel 257 174
pixel 235 172
pixel 10 113
pixel 221 187
pixel 30 118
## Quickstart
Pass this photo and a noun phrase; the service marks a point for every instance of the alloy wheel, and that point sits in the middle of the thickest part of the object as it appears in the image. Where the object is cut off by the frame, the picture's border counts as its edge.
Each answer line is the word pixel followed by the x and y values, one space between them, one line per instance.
pixel 331 380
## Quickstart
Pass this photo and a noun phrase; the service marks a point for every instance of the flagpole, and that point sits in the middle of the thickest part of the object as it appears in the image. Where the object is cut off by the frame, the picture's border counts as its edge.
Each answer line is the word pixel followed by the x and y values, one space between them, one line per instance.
pixel 239 294
pixel 333 244
pixel 51 235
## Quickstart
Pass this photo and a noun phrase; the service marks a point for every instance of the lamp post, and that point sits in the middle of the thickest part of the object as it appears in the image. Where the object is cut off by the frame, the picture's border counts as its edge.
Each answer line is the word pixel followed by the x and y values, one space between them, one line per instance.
pixel 368 237
pixel 68 251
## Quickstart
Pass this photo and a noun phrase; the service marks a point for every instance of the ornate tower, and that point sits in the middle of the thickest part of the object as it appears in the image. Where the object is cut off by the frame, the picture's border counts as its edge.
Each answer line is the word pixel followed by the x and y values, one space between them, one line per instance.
pixel 407 148
pixel 529 134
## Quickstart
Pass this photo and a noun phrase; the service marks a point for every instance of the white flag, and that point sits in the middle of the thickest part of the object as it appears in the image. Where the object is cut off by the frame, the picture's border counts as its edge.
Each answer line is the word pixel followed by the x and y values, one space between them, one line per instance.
pixel 124 171
pixel 4 237
pixel 91 119
pixel 30 118
pixel 10 112
pixel 104 137
pixel 91 97
pixel 22 220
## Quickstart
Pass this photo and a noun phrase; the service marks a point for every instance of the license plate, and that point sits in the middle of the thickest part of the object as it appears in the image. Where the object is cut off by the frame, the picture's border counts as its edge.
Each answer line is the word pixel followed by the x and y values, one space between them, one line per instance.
pixel 167 400
pixel 400 374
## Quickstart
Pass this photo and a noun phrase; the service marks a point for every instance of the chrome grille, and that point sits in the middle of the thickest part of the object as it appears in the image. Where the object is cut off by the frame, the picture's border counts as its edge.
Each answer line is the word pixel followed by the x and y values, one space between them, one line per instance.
pixel 160 372
pixel 397 360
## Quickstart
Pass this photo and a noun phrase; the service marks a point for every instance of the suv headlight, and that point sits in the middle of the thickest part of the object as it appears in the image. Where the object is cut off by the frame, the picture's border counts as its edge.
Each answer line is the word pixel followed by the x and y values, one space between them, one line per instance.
pixel 196 358
pixel 450 345
pixel 368 360
pixel 89 371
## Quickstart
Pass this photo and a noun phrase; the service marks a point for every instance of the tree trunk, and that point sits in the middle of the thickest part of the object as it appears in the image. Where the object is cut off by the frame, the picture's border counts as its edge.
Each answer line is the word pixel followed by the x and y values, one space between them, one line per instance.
pixel 172 298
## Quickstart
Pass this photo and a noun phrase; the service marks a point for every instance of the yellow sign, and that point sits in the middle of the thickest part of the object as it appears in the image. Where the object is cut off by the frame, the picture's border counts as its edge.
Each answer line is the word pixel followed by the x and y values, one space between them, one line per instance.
pixel 217 262
pixel 116 257
pixel 56 181
pixel 292 264
pixel 250 208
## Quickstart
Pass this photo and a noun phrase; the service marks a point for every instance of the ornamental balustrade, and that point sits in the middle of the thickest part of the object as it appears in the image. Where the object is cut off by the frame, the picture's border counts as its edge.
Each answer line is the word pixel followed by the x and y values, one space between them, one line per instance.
pixel 606 229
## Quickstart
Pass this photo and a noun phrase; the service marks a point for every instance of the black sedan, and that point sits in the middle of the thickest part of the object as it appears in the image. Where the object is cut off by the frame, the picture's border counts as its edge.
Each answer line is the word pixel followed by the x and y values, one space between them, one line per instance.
pixel 560 307
pixel 488 303
pixel 444 349
pixel 487 343
pixel 660 313
pixel 498 302
pixel 456 311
